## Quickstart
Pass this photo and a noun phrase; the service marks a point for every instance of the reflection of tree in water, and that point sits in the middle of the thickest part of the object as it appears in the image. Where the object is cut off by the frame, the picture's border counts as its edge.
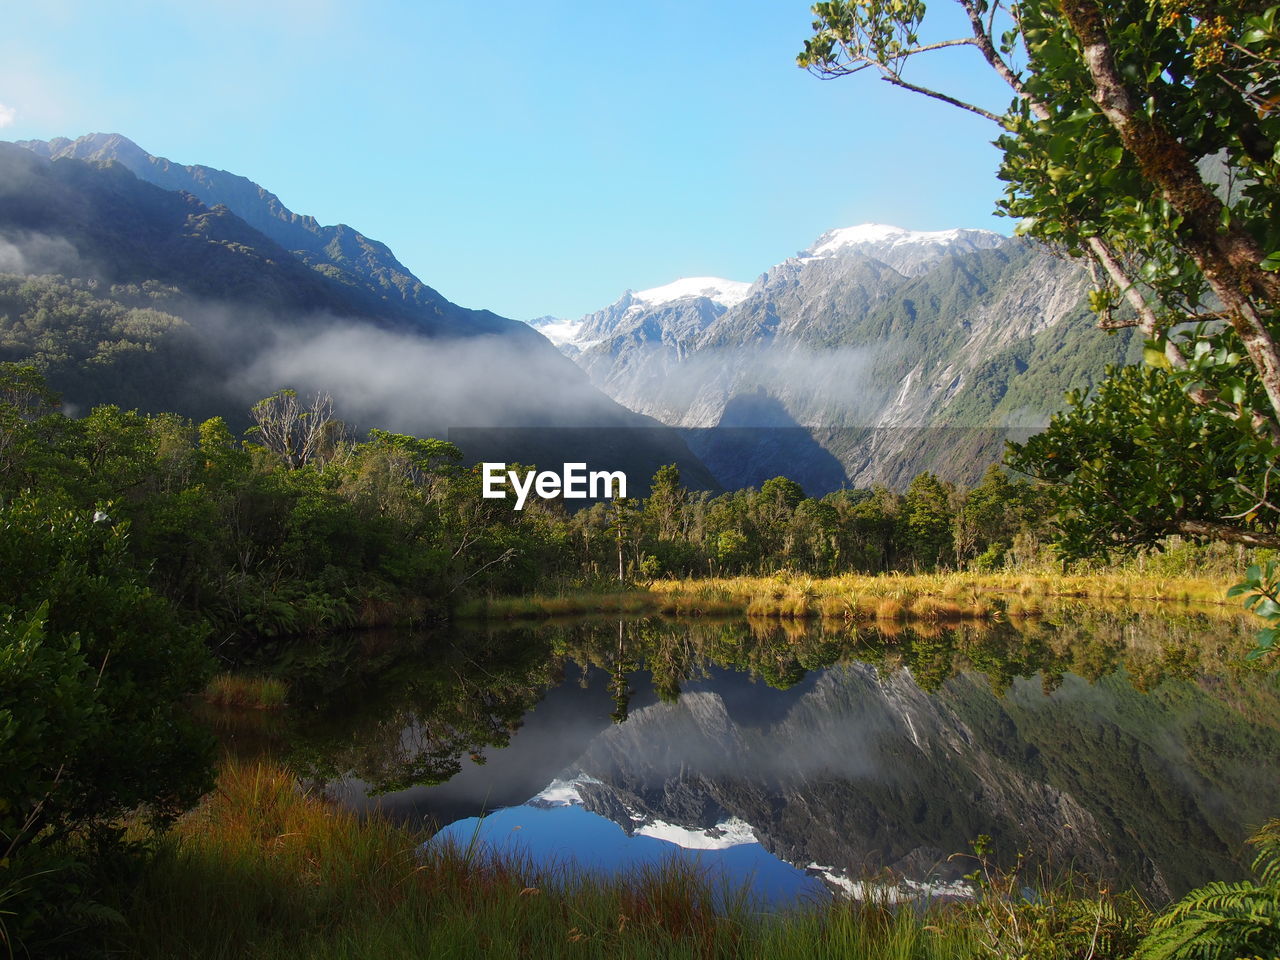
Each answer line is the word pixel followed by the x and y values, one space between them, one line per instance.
pixel 1089 641
pixel 413 722
pixel 398 711
pixel 619 686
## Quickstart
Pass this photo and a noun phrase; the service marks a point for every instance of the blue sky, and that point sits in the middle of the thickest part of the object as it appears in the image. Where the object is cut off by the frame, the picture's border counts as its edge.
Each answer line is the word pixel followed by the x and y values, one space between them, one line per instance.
pixel 532 158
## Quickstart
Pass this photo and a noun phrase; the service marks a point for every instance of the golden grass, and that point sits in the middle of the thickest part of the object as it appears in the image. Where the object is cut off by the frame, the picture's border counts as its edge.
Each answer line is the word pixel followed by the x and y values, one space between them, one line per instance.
pixel 890 609
pixel 950 597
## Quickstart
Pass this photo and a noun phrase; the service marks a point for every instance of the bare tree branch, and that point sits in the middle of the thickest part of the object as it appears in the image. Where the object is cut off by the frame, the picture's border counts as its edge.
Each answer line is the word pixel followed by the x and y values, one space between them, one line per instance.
pixel 983 40
pixel 897 81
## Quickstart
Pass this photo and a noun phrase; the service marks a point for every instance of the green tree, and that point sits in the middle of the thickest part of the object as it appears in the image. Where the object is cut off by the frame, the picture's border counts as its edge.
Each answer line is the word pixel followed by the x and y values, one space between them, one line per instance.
pixel 990 515
pixel 24 398
pixel 924 525
pixel 866 527
pixel 731 549
pixel 1143 138
pixel 782 493
pixel 624 521
pixel 664 505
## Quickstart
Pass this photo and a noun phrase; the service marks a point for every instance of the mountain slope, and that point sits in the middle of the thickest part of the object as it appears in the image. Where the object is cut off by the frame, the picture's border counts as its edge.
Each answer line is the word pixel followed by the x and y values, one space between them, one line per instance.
pixel 337 250
pixel 895 351
pixel 864 770
pixel 237 316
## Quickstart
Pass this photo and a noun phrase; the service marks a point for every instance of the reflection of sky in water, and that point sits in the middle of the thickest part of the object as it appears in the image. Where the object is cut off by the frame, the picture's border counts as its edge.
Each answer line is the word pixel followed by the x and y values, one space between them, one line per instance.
pixel 569 834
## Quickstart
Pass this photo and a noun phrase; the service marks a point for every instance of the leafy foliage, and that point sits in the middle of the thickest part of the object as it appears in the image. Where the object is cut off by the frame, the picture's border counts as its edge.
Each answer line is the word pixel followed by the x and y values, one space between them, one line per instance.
pixel 1144 136
pixel 1136 461
pixel 1261 590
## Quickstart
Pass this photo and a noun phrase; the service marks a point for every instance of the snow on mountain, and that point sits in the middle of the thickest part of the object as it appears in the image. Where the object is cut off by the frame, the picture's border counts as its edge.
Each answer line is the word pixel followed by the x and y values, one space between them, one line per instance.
pixel 558 331
pixel 688 301
pixel 903 890
pixel 833 242
pixel 732 832
pixel 727 293
pixel 728 833
pixel 561 793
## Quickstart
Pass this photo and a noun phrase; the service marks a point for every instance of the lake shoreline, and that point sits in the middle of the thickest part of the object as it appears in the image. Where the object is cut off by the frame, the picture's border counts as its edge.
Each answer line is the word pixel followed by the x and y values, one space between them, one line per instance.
pixel 265 868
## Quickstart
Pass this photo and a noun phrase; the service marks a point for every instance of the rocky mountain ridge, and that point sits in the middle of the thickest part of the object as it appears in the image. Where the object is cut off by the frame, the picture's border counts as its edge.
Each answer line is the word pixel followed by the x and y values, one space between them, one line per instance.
pixel 335 250
pixel 868 349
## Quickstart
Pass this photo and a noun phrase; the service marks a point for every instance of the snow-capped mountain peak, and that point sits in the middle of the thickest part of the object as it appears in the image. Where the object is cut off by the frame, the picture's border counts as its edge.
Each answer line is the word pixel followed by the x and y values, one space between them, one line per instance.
pixel 727 293
pixel 882 235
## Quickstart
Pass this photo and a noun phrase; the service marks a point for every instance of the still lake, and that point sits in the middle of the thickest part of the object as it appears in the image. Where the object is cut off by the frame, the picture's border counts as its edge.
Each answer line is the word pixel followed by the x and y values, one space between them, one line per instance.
pixel 807 759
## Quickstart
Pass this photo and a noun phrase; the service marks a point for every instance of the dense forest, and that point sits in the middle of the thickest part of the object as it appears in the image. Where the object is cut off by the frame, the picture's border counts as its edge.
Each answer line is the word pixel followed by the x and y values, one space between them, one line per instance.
pixel 301 527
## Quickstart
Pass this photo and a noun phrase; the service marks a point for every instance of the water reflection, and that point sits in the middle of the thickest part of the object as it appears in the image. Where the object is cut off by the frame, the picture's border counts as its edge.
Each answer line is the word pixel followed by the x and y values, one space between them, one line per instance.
pixel 1130 746
pixel 567 833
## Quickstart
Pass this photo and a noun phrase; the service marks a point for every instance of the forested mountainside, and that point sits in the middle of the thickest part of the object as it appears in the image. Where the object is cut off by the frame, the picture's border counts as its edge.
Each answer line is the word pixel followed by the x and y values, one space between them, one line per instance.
pixel 337 251
pixel 124 292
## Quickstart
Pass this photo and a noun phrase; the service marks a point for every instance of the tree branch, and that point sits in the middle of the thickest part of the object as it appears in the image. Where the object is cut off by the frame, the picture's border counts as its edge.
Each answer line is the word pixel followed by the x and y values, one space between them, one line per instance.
pixel 1228 256
pixel 986 46
pixel 1228 533
pixel 897 81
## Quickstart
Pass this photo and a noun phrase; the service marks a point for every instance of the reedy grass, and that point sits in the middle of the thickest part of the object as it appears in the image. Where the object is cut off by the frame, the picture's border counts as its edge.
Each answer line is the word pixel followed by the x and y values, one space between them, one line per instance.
pixel 243 691
pixel 262 869
pixel 945 597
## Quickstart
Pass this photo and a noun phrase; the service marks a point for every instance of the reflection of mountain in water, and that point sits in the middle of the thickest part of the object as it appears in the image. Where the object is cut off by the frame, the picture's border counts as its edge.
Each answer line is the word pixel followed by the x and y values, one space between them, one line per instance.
pixel 870 775
pixel 885 750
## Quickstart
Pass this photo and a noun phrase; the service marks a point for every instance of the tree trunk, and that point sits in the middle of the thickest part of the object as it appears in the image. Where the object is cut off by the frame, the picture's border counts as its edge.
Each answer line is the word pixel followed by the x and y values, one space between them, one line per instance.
pixel 1229 258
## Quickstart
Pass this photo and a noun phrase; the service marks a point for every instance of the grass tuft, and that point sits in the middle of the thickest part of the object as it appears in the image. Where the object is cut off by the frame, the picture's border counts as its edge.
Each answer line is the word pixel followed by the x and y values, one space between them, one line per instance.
pixel 254 693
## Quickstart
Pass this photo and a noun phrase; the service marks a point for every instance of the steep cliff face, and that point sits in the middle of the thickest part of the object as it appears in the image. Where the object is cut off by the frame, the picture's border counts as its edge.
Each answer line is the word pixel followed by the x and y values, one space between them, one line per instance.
pixel 861 773
pixel 879 343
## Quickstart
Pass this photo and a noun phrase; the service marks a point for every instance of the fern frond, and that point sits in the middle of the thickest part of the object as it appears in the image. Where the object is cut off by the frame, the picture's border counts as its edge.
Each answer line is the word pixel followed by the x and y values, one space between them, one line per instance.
pixel 1225 921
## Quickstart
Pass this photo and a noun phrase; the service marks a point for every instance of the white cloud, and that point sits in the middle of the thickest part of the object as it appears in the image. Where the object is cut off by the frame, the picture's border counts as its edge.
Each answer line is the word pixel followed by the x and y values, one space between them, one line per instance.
pixel 7 115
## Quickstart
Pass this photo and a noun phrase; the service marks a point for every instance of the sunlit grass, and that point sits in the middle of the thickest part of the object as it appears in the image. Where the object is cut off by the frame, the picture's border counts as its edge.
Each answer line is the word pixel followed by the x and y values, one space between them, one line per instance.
pixel 944 597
